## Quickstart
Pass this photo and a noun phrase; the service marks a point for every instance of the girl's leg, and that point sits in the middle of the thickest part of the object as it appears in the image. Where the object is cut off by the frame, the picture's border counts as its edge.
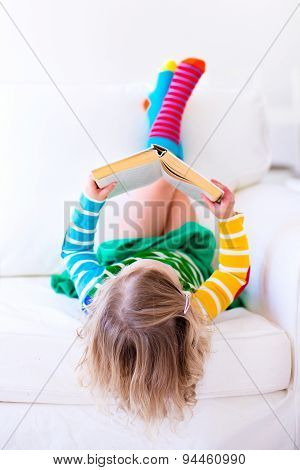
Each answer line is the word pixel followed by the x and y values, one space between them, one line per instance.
pixel 180 212
pixel 155 210
pixel 166 127
pixel 153 102
pixel 147 211
pixel 159 207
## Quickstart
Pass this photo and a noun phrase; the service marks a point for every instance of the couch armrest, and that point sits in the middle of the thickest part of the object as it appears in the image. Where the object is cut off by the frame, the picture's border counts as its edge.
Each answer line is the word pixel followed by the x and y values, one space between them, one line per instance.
pixel 272 220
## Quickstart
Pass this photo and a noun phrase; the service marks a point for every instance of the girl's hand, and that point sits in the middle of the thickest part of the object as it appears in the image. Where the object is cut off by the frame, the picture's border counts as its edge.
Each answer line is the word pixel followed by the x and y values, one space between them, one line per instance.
pixel 92 190
pixel 223 209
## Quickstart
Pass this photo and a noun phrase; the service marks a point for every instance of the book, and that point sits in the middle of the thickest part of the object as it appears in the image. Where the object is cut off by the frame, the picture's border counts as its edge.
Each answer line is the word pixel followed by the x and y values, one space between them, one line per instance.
pixel 147 166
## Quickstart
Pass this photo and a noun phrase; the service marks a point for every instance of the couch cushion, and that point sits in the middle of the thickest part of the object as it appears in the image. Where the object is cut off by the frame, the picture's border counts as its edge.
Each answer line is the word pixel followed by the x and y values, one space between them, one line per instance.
pixel 38 329
pixel 51 156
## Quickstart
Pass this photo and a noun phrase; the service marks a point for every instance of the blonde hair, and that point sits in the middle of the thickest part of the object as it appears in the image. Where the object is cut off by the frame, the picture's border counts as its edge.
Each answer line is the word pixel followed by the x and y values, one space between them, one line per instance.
pixel 141 349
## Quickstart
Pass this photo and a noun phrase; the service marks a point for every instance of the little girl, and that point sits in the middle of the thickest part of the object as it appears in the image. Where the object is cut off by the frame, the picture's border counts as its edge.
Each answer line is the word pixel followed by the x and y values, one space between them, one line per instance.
pixel 150 298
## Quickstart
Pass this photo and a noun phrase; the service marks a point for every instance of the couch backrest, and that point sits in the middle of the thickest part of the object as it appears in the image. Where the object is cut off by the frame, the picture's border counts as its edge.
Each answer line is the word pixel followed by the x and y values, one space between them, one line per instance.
pixel 46 154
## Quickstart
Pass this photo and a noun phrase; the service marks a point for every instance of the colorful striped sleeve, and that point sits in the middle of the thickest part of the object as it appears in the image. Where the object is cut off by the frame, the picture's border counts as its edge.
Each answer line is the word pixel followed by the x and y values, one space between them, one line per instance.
pixel 78 247
pixel 227 282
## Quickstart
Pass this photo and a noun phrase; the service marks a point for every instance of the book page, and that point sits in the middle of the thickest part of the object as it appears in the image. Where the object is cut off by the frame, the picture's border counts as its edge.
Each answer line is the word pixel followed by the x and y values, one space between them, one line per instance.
pixel 138 159
pixel 177 169
pixel 132 178
pixel 187 188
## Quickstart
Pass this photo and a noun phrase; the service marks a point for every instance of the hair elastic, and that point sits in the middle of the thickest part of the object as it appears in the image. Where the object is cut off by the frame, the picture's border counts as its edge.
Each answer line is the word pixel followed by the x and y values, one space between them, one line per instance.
pixel 187 301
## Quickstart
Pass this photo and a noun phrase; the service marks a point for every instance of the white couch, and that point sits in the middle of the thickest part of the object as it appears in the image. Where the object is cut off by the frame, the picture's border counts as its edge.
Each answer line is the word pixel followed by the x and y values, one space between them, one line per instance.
pixel 250 396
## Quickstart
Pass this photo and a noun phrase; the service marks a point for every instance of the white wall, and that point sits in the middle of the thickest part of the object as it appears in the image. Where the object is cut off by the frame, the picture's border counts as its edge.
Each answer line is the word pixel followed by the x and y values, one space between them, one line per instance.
pixel 105 41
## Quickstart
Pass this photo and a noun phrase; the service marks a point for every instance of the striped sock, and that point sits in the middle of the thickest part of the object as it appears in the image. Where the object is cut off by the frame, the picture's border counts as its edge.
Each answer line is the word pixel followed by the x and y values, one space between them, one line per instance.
pixel 165 130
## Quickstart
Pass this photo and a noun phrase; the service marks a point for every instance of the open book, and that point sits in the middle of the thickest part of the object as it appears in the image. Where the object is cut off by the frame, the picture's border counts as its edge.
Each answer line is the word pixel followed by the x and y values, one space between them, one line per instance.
pixel 145 167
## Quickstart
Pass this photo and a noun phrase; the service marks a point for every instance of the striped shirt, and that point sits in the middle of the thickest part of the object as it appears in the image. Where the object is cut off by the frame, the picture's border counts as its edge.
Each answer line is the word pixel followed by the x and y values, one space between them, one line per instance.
pixel 232 275
pixel 211 296
pixel 78 252
pixel 187 271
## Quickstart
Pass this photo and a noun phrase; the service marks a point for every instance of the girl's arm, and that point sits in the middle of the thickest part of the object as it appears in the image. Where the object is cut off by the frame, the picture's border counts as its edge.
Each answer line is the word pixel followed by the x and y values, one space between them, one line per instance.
pixel 227 282
pixel 78 246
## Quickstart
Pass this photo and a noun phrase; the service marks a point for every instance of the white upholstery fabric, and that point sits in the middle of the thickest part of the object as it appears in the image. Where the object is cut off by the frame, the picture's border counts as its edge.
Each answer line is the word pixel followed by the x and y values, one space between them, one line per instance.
pixel 218 423
pixel 47 155
pixel 37 329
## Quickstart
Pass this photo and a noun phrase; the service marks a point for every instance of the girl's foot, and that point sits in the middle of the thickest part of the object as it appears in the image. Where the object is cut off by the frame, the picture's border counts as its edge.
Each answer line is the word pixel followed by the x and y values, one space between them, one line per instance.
pixel 153 103
pixel 165 129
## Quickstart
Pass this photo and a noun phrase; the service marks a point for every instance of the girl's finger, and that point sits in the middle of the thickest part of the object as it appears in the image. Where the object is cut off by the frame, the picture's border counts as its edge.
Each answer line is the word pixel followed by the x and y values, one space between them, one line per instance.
pixel 92 182
pixel 207 201
pixel 217 183
pixel 107 189
pixel 91 179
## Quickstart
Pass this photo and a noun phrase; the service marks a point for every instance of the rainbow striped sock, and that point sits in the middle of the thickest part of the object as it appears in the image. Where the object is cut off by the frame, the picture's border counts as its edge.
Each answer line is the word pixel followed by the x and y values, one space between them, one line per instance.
pixel 165 130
